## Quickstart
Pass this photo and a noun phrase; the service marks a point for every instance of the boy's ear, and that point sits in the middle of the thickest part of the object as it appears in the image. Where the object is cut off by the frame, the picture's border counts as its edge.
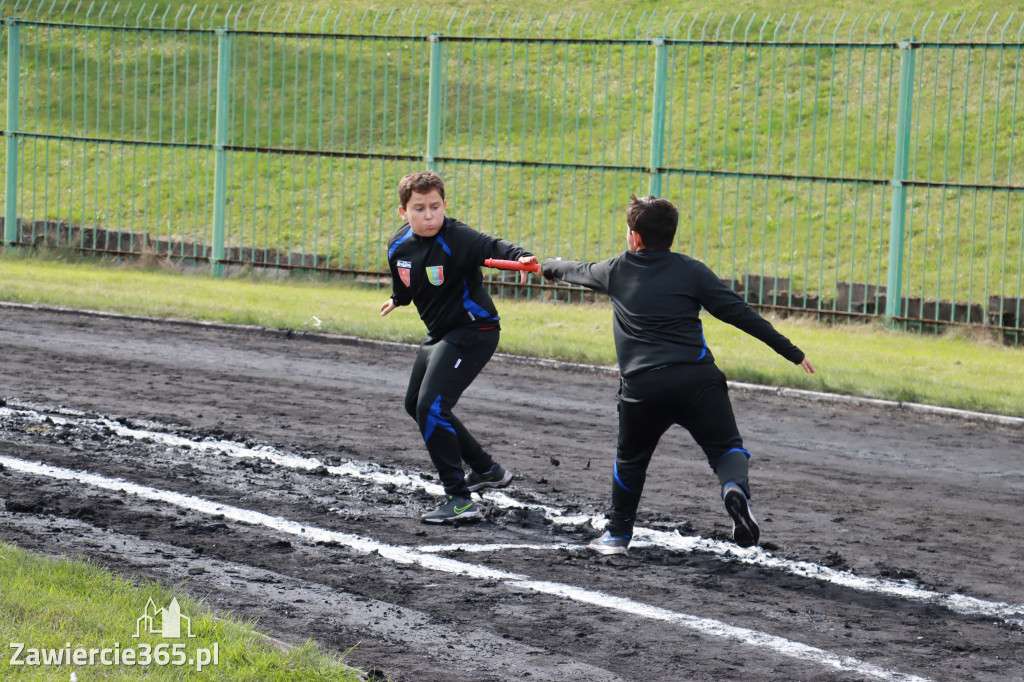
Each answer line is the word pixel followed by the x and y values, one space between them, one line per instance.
pixel 401 212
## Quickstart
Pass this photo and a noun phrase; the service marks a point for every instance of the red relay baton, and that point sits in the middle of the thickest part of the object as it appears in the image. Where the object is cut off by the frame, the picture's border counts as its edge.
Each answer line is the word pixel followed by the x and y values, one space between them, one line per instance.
pixel 511 265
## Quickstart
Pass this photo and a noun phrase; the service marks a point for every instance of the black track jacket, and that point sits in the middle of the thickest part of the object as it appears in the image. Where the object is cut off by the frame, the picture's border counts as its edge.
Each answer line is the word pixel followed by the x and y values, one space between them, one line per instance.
pixel 656 296
pixel 441 275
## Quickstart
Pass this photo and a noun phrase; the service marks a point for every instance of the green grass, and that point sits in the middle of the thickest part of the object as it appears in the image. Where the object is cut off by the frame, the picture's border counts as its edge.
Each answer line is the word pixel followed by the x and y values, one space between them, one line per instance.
pixel 66 604
pixel 959 369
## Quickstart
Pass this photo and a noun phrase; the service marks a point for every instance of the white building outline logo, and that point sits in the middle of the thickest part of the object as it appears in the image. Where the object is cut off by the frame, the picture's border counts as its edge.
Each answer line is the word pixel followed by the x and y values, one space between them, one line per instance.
pixel 170 621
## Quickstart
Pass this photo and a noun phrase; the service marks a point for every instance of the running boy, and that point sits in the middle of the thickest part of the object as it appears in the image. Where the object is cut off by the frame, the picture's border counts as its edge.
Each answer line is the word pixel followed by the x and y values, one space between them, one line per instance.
pixel 668 375
pixel 435 263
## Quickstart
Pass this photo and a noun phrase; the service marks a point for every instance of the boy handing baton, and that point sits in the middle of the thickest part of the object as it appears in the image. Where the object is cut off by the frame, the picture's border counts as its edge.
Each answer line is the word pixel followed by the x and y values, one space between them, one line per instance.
pixel 435 263
pixel 668 375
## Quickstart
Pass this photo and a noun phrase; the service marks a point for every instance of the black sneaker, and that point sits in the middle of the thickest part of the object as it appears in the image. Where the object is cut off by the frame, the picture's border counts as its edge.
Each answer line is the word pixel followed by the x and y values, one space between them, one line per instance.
pixel 453 509
pixel 745 531
pixel 495 477
pixel 610 544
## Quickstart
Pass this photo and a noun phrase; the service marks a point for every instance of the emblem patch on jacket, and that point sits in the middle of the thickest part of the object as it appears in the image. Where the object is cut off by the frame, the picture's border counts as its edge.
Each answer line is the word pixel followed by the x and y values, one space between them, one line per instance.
pixel 405 273
pixel 435 275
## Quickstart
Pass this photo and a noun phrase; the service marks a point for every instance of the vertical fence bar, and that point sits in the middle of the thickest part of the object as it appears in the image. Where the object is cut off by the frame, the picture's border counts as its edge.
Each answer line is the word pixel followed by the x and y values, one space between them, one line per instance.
pixel 658 120
pixel 220 172
pixel 894 300
pixel 434 102
pixel 13 81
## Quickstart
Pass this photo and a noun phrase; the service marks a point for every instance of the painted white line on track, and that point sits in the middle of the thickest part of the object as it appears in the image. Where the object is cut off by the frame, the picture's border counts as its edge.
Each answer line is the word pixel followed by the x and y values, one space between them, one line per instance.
pixel 496 547
pixel 408 555
pixel 1012 614
pixel 839 398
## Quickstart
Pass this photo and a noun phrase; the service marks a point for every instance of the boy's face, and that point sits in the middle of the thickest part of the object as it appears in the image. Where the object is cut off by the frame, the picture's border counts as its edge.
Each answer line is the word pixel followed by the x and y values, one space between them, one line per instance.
pixel 424 212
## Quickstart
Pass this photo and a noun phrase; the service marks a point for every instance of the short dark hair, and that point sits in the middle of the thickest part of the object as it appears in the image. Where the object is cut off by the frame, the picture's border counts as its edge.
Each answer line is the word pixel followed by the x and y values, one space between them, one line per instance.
pixel 421 182
pixel 654 219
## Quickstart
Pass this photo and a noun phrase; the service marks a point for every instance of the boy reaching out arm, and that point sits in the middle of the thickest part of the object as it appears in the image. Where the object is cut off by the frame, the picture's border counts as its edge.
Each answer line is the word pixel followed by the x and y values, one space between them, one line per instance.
pixel 667 372
pixel 435 263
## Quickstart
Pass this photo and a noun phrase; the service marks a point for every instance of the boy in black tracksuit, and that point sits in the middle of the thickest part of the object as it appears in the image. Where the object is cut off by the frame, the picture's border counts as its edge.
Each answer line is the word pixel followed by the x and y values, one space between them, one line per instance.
pixel 435 263
pixel 668 375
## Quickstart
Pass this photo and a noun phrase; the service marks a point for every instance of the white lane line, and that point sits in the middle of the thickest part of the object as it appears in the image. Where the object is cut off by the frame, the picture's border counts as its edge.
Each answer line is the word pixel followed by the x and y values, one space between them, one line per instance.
pixel 905 589
pixel 408 555
pixel 1012 614
pixel 495 547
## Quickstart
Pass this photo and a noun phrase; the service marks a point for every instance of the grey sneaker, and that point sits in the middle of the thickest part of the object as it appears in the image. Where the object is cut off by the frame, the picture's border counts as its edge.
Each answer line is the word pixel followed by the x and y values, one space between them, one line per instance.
pixel 495 477
pixel 745 531
pixel 453 509
pixel 610 544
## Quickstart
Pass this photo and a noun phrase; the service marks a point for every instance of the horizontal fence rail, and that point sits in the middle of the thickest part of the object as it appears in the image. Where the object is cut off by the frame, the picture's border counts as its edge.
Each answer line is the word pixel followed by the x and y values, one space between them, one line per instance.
pixel 846 166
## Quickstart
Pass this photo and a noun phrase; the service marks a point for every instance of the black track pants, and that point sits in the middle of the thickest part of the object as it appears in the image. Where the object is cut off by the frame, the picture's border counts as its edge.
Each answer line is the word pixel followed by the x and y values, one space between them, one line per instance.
pixel 443 370
pixel 695 397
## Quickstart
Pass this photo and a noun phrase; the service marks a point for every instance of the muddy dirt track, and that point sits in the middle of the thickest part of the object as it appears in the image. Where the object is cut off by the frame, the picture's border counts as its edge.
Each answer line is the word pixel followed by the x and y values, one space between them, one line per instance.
pixel 275 475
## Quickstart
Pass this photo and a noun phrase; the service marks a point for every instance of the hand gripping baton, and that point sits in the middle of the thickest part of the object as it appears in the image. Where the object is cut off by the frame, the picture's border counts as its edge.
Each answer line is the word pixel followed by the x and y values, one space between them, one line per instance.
pixel 511 265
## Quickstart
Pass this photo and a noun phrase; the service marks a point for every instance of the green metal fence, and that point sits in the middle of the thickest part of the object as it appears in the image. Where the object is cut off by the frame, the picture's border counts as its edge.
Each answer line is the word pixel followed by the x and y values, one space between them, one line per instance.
pixel 821 163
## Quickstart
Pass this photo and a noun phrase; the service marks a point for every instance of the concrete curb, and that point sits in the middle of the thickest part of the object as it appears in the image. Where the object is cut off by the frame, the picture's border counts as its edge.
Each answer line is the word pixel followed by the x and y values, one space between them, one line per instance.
pixel 793 393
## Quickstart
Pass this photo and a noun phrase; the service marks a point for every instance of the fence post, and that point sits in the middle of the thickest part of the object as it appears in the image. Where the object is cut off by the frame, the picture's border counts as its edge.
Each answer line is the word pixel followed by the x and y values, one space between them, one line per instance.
pixel 220 161
pixel 900 170
pixel 658 123
pixel 434 104
pixel 13 83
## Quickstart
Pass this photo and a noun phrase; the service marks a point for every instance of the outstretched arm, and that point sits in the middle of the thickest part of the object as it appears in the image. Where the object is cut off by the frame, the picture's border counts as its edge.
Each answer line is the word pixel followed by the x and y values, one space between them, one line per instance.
pixel 591 275
pixel 726 305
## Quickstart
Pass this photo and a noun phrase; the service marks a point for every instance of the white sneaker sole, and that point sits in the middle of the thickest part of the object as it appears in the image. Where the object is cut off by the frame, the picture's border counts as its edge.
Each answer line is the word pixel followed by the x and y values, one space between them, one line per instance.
pixel 602 548
pixel 473 515
pixel 503 482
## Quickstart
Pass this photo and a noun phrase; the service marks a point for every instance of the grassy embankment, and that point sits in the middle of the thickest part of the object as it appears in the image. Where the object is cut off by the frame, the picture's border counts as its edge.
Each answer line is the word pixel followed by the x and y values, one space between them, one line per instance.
pixel 813 111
